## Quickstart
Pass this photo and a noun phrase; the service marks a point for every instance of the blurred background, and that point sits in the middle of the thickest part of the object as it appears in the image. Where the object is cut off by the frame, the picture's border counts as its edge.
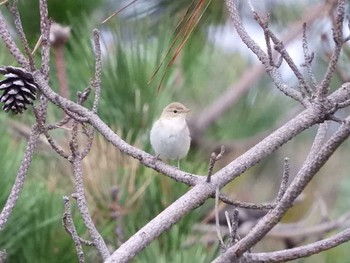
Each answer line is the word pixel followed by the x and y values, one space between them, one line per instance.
pixel 234 103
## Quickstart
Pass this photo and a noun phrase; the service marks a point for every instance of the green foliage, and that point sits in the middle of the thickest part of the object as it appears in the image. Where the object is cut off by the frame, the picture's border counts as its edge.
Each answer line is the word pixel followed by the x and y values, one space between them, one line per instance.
pixel 130 98
pixel 196 252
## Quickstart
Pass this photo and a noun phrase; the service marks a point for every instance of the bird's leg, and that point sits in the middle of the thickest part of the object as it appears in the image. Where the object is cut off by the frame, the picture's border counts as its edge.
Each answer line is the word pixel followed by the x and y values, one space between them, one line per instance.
pixel 178 163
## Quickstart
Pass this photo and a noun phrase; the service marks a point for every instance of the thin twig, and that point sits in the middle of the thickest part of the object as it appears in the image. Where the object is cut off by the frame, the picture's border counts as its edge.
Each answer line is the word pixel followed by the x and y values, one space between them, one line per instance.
pixel 45 131
pixel 227 200
pixel 252 45
pixel 232 223
pixel 323 88
pixel 90 138
pixel 18 24
pixel 285 178
pixel 268 40
pixel 84 210
pixel 21 176
pixel 308 57
pixel 80 196
pixel 45 25
pixel 213 159
pixel 83 95
pixel 59 124
pixel 280 47
pixel 55 146
pixel 11 45
pixel 344 104
pixel 68 225
pixel 96 83
pixel 301 251
pixel 296 230
pixel 71 114
pixel 319 139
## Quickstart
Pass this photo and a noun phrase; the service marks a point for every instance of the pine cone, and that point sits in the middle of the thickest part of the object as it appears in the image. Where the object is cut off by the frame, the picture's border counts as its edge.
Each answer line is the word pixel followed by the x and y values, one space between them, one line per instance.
pixel 19 89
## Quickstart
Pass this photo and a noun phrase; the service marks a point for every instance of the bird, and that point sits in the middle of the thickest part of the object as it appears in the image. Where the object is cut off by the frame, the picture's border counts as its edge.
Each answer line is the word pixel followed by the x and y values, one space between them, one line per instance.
pixel 170 136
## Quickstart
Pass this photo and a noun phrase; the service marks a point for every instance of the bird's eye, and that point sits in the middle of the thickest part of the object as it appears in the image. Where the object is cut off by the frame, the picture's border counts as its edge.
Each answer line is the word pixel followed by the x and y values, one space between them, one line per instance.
pixel 175 111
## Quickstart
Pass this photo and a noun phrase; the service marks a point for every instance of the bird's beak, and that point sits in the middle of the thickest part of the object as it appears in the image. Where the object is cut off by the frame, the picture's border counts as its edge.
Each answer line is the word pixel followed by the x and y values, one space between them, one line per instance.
pixel 187 110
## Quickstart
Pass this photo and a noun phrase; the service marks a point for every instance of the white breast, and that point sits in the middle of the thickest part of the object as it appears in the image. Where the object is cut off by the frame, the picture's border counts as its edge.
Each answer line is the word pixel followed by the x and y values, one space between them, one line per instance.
pixel 170 138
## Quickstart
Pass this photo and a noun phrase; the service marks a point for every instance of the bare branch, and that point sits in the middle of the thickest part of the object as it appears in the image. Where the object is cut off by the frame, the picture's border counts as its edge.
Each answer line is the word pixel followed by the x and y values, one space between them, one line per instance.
pixel 82 96
pixel 81 201
pixel 284 181
pixel 68 225
pixel 213 159
pixel 71 114
pixel 45 25
pixel 246 205
pixel 280 47
pixel 265 25
pixel 11 45
pixel 96 83
pixel 59 124
pixel 344 104
pixel 300 229
pixel 54 145
pixel 308 59
pixel 301 251
pixel 310 167
pixel 233 226
pixel 323 89
pixel 319 140
pixel 90 137
pixel 254 47
pixel 294 230
pixel 21 176
pixel 45 131
pixel 17 18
